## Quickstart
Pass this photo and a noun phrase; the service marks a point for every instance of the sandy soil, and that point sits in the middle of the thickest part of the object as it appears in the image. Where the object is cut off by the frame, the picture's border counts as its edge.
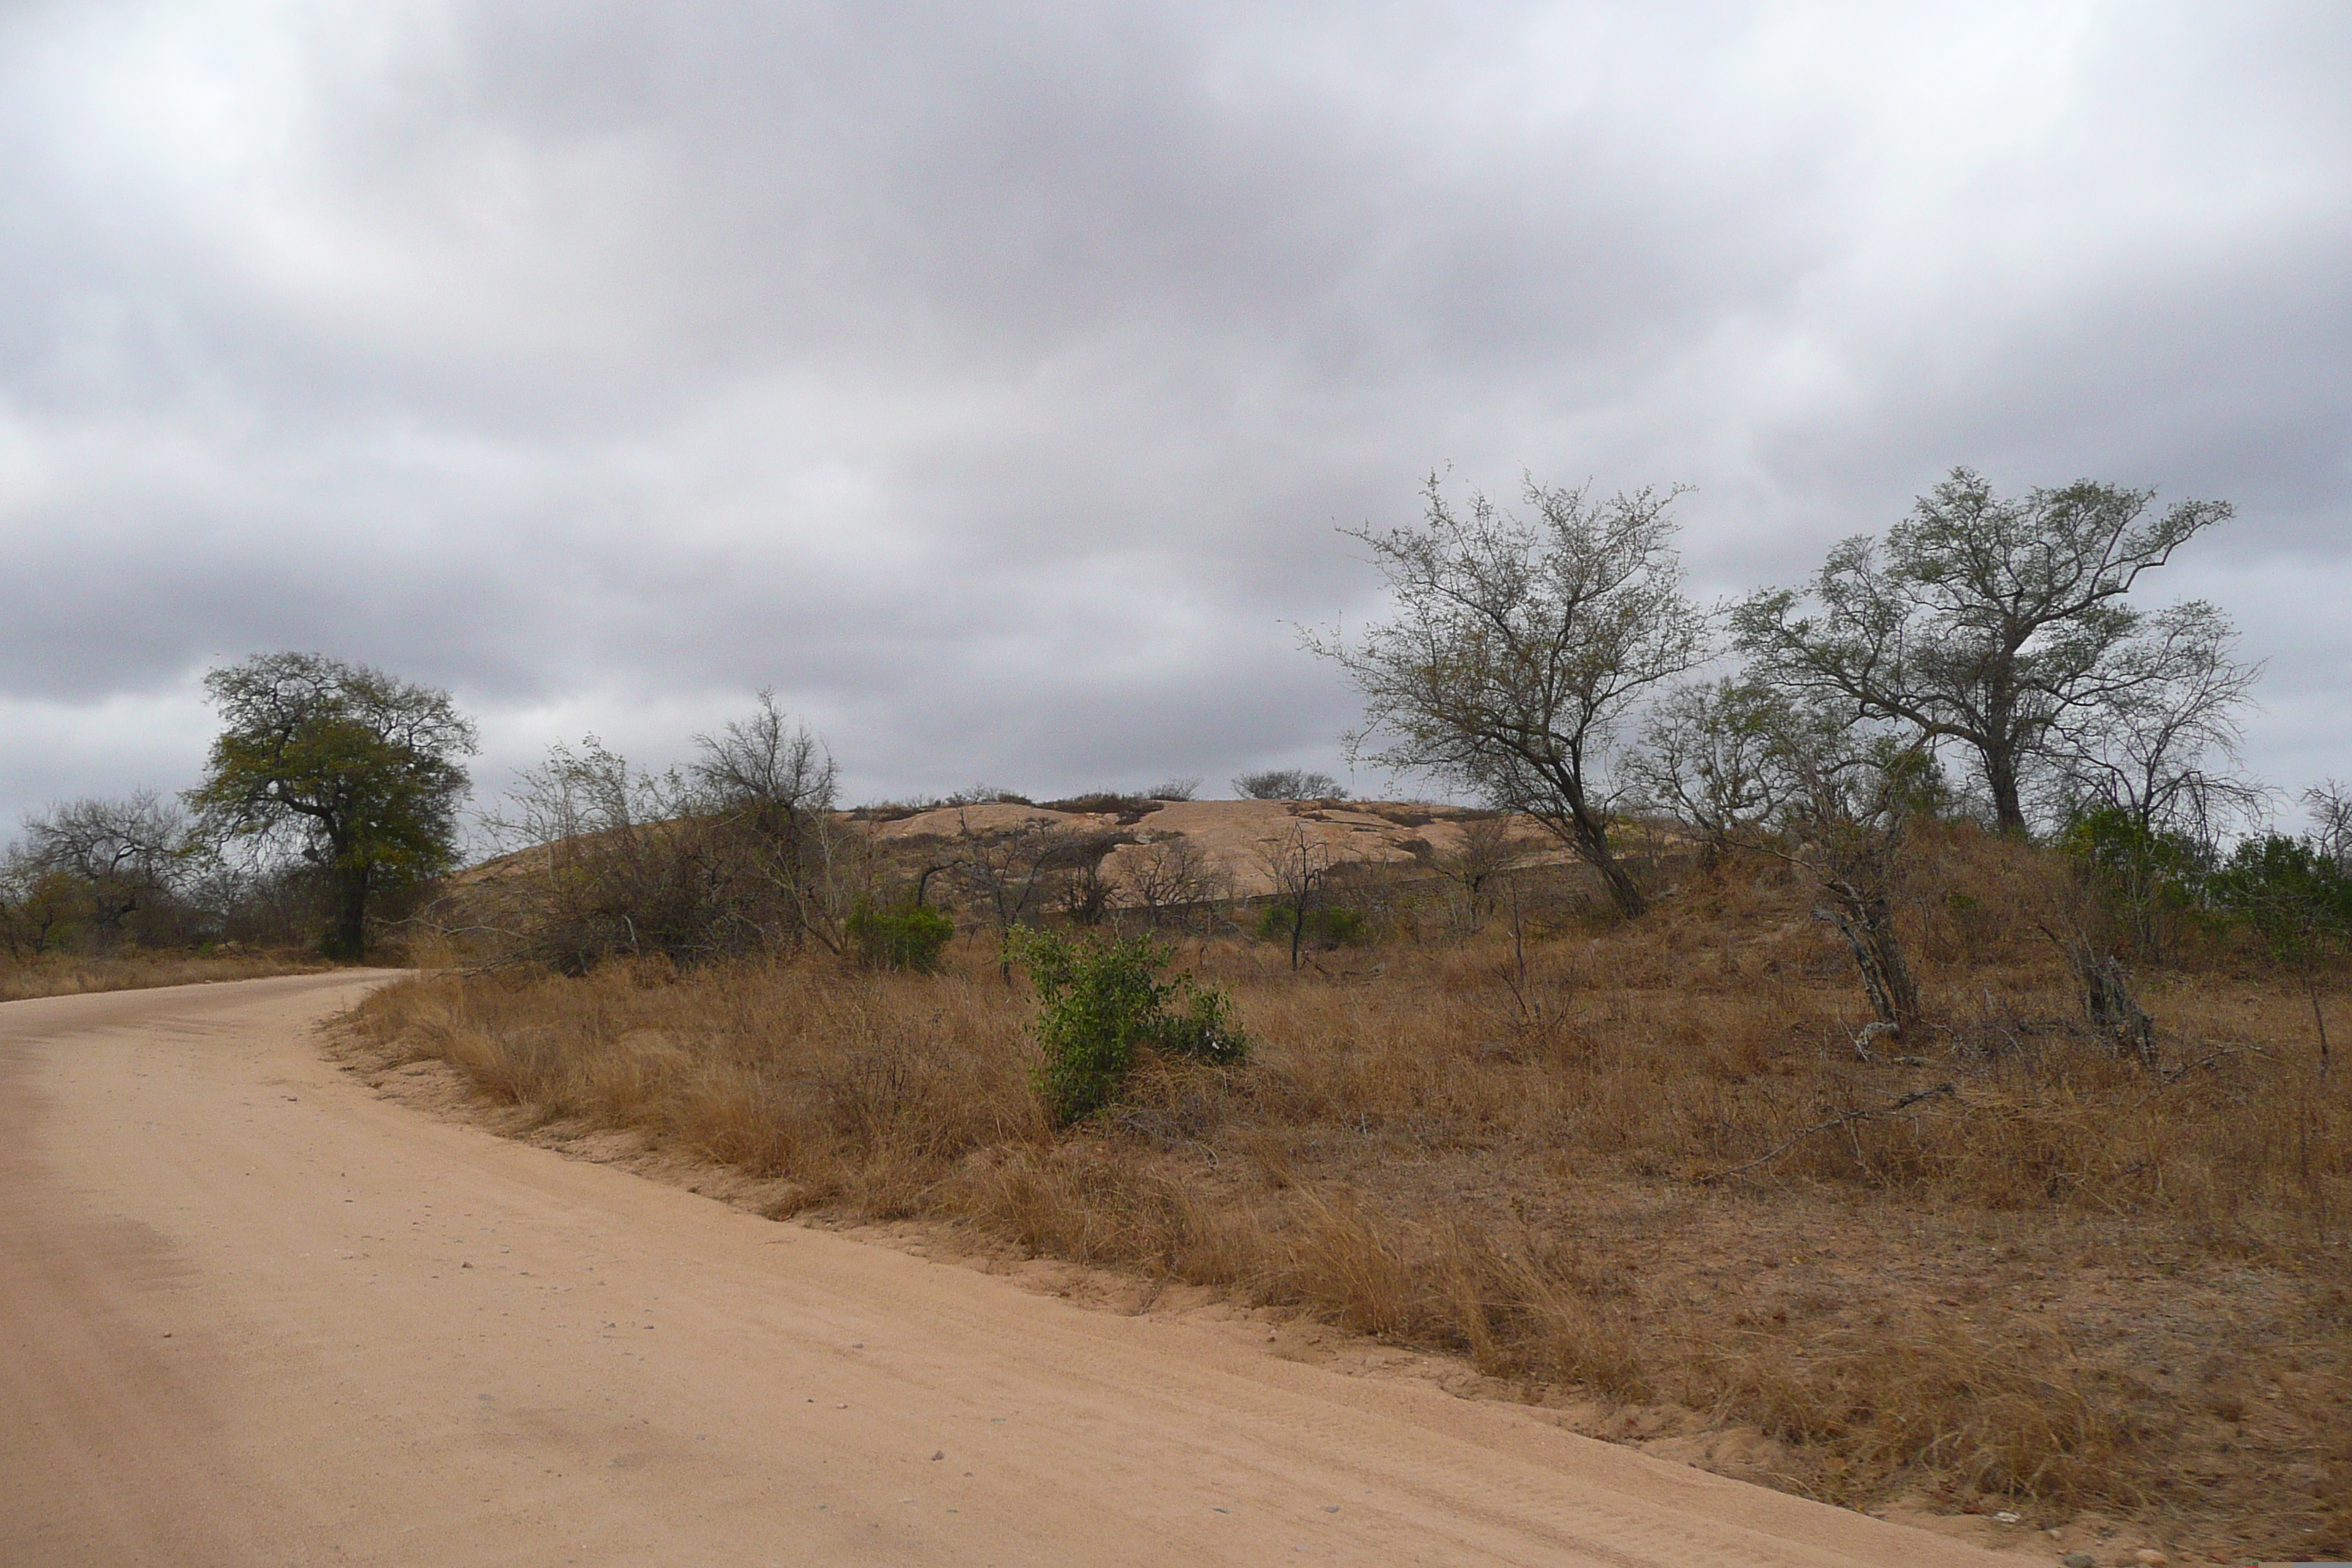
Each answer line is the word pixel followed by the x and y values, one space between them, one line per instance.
pixel 251 1313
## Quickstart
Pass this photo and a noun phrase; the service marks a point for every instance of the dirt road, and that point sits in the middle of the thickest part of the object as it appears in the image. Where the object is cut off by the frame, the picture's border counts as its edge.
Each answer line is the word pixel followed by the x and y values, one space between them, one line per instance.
pixel 250 1313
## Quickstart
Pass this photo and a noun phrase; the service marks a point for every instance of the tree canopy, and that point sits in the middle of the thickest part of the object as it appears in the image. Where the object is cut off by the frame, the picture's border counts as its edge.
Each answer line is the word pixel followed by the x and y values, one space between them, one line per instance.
pixel 350 768
pixel 1515 647
pixel 1988 621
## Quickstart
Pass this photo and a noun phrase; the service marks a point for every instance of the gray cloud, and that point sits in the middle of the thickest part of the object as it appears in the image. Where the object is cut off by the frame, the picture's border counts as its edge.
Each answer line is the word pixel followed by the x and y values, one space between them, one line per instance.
pixel 990 380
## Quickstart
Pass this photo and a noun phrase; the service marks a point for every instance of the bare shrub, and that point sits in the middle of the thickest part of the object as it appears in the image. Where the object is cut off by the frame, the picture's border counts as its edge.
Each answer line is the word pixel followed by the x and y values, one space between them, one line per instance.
pixel 738 854
pixel 1168 879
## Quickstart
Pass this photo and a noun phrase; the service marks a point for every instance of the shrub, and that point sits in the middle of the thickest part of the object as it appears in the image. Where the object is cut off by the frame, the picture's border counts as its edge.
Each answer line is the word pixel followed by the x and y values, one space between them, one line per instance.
pixel 908 936
pixel 1325 928
pixel 1289 783
pixel 1099 1000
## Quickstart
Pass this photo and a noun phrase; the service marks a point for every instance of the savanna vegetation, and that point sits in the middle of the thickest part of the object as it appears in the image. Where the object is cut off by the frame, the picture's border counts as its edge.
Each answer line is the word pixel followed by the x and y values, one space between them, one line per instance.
pixel 1874 1040
pixel 332 795
pixel 1895 1069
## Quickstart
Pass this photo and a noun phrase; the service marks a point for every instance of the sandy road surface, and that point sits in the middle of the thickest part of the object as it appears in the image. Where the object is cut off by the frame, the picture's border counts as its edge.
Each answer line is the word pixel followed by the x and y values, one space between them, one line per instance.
pixel 250 1313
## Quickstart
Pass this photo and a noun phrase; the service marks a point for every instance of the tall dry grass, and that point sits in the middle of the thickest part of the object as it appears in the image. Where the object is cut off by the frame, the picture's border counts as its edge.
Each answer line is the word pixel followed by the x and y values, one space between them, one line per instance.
pixel 65 974
pixel 2065 1280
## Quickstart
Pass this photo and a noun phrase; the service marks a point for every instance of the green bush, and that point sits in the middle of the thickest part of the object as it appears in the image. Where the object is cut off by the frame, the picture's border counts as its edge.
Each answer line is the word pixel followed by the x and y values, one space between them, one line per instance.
pixel 1100 999
pixel 1325 928
pixel 906 936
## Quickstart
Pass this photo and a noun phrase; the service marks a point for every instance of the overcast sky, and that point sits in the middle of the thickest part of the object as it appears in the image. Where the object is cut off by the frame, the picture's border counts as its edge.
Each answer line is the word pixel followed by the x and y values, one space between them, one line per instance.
pixel 990 380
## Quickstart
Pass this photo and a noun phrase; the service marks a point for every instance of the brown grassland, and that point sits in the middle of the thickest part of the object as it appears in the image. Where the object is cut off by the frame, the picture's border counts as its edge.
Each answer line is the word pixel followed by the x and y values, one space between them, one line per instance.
pixel 2114 1299
pixel 66 974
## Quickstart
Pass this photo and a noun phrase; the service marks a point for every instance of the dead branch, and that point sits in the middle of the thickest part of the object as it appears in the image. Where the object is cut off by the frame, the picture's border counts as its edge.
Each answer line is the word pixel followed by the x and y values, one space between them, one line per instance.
pixel 1846 1118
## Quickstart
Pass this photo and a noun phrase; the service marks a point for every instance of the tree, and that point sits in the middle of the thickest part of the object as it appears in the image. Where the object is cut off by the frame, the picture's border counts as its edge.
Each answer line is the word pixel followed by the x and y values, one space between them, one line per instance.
pixel 1985 621
pixel 1490 847
pixel 1008 873
pixel 121 855
pixel 1298 864
pixel 1848 798
pixel 1515 647
pixel 350 769
pixel 1165 876
pixel 1709 761
pixel 738 853
pixel 1289 783
pixel 771 783
pixel 2330 805
pixel 38 904
pixel 2160 746
pixel 1830 791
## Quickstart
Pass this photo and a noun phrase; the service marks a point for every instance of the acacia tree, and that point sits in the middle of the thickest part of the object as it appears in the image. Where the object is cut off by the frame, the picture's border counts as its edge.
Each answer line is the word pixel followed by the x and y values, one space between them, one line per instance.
pixel 1515 647
pixel 1983 620
pixel 350 769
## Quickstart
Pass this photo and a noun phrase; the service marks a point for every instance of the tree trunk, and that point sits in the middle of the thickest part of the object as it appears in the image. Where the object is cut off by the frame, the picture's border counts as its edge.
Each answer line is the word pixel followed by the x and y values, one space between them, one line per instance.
pixel 2001 777
pixel 1592 842
pixel 1868 927
pixel 2109 1002
pixel 1298 930
pixel 347 937
pixel 2319 1020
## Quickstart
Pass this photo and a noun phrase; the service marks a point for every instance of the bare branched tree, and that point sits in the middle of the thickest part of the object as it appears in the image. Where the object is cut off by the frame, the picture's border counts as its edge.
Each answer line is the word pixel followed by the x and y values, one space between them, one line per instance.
pixel 1515 647
pixel 1491 847
pixel 1168 878
pixel 1009 874
pixel 2330 805
pixel 1298 863
pixel 1707 761
pixel 2159 745
pixel 770 784
pixel 121 854
pixel 736 854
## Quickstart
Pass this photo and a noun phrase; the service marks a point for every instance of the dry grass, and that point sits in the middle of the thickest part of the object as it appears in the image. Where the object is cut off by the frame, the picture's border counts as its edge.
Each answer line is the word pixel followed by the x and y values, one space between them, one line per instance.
pixel 59 975
pixel 2070 1283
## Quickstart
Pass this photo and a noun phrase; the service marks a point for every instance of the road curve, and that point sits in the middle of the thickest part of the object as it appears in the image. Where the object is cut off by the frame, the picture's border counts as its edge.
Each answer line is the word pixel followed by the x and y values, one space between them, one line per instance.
pixel 251 1314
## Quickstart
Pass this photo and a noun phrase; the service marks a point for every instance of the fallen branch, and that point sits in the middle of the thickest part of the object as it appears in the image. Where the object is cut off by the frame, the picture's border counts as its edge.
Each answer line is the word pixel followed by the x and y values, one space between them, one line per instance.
pixel 1846 1118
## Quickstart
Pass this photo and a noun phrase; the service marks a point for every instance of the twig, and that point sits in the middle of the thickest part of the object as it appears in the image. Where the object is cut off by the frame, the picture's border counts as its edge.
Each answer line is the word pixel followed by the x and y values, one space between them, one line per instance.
pixel 1846 1118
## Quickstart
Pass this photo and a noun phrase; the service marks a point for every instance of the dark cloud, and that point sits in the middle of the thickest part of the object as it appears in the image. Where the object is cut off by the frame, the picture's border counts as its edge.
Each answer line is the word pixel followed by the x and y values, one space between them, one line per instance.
pixel 990 380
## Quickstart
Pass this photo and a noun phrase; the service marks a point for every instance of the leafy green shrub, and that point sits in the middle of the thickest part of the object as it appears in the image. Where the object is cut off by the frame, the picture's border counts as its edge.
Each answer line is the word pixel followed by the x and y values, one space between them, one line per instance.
pixel 906 936
pixel 1325 928
pixel 1100 999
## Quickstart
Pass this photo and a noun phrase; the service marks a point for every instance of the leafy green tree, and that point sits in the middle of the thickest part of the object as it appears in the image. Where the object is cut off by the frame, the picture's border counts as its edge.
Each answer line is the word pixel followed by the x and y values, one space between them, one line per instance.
pixel 1986 621
pixel 349 768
